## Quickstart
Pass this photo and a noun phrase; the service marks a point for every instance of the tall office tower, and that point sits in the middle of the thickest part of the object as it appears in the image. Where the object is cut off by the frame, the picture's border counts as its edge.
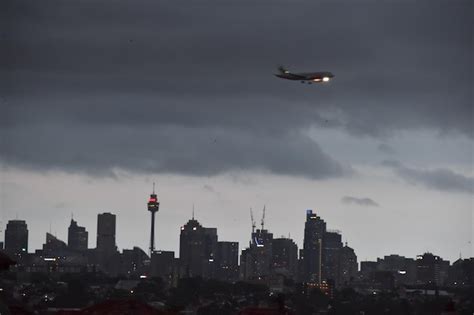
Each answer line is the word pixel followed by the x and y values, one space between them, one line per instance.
pixel 210 252
pixel 300 275
pixel 285 257
pixel 314 230
pixel 53 245
pixel 227 261
pixel 368 270
pixel 461 272
pixel 348 266
pixel 403 269
pixel 245 266
pixel 162 265
pixel 431 269
pixel 258 257
pixel 153 207
pixel 132 261
pixel 106 232
pixel 105 255
pixel 77 237
pixel 191 248
pixel 197 247
pixel 332 245
pixel 16 238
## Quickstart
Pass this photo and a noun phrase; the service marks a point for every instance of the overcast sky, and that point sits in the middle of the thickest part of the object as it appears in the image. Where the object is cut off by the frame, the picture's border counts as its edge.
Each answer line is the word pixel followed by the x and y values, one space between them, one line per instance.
pixel 101 98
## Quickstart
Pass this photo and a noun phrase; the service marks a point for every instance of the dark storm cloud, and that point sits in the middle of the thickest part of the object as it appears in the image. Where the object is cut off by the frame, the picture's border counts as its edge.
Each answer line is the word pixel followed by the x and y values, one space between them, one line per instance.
pixel 173 149
pixel 150 77
pixel 367 202
pixel 440 179
pixel 385 148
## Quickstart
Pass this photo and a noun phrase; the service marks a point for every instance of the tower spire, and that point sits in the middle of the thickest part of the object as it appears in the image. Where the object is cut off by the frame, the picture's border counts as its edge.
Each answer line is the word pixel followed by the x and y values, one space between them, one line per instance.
pixel 153 207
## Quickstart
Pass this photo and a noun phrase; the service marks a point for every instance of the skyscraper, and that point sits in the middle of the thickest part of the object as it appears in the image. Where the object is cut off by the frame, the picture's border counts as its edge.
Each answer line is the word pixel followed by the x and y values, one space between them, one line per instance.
pixel 77 237
pixel 332 245
pixel 162 265
pixel 285 257
pixel 258 257
pixel 106 232
pixel 403 269
pixel 314 230
pixel 348 266
pixel 133 261
pixel 53 244
pixel 191 247
pixel 16 238
pixel 210 252
pixel 431 269
pixel 197 248
pixel 227 261
pixel 461 272
pixel 105 255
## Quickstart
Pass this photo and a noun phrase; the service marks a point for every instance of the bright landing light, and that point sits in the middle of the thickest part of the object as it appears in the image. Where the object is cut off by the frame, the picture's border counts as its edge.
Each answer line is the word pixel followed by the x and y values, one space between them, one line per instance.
pixel 326 79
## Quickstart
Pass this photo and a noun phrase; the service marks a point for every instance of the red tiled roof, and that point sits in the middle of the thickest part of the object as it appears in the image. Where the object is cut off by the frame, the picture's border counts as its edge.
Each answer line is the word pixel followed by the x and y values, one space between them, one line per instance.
pixel 120 307
pixel 262 311
pixel 18 310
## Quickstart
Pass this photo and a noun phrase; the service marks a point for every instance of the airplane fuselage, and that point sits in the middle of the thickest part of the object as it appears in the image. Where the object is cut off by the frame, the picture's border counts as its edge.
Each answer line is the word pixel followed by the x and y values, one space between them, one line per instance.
pixel 323 76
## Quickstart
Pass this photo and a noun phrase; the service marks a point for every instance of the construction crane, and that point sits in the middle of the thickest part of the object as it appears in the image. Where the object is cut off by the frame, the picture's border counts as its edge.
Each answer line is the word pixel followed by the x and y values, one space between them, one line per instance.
pixel 263 218
pixel 252 220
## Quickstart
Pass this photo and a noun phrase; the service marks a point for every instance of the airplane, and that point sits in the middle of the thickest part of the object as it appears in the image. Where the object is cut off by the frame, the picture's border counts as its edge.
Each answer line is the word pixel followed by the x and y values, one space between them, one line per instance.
pixel 309 77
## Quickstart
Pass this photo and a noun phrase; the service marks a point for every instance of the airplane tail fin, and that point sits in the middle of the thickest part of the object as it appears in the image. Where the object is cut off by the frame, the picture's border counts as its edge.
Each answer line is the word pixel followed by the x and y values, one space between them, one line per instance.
pixel 282 70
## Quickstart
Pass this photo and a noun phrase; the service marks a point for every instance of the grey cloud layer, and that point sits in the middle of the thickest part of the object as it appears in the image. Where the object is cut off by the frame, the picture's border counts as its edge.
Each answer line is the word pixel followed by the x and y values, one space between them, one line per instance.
pixel 386 149
pixel 187 151
pixel 440 179
pixel 180 71
pixel 359 201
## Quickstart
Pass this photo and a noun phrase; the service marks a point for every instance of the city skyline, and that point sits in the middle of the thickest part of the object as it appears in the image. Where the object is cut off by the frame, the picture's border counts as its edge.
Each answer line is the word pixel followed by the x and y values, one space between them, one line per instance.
pixel 185 96
pixel 324 269
pixel 309 213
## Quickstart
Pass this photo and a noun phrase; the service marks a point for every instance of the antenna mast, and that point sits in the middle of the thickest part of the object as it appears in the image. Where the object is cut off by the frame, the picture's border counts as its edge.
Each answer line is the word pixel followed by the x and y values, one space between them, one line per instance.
pixel 263 218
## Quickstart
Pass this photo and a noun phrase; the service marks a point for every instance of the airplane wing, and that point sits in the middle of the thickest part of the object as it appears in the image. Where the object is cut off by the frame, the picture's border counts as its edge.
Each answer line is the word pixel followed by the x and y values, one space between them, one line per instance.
pixel 310 75
pixel 300 76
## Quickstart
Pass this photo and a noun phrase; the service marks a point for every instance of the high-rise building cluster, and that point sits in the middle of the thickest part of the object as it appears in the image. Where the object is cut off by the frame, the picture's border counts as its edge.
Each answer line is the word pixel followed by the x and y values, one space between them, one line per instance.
pixel 323 262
